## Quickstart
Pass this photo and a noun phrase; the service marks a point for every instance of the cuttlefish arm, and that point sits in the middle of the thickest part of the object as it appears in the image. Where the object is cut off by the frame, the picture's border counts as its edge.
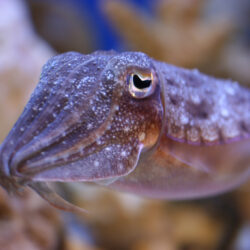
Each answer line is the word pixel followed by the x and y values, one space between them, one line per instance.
pixel 144 126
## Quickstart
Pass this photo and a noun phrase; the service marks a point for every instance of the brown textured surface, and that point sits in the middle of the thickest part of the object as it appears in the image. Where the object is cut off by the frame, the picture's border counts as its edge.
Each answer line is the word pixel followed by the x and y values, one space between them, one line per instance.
pixel 122 221
pixel 27 222
pixel 177 34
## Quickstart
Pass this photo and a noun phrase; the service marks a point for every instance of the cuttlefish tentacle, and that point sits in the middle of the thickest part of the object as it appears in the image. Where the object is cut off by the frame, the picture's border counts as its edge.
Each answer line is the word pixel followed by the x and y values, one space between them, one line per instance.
pixel 138 124
pixel 59 157
pixel 54 199
pixel 44 98
pixel 23 131
pixel 62 117
pixel 46 141
pixel 65 125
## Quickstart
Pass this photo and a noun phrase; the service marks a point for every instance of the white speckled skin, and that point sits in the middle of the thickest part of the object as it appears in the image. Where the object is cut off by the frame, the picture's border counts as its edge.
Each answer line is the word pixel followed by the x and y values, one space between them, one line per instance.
pixel 189 138
pixel 204 110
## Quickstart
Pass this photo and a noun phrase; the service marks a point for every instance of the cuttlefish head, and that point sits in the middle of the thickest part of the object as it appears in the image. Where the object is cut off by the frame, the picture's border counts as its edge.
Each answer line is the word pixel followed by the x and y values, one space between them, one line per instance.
pixel 90 118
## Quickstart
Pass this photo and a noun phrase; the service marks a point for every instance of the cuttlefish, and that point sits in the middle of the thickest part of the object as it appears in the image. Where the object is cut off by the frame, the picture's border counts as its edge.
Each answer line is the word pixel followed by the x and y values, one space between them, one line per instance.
pixel 130 122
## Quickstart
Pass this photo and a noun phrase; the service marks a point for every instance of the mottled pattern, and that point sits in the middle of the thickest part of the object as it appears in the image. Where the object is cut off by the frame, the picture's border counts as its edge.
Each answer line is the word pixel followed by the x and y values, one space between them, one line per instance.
pixel 202 109
pixel 82 123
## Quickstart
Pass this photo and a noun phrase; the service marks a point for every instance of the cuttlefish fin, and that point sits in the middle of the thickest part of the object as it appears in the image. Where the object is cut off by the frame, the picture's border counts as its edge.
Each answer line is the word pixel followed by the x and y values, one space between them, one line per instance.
pixel 54 199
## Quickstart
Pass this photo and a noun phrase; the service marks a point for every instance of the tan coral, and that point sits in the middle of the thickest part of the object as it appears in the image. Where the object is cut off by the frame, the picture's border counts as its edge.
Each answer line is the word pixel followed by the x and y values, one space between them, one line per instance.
pixel 27 222
pixel 22 56
pixel 176 35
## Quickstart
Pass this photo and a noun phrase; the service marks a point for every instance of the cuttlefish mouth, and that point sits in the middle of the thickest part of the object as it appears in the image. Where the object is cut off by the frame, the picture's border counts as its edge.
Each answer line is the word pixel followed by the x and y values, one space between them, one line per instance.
pixel 79 125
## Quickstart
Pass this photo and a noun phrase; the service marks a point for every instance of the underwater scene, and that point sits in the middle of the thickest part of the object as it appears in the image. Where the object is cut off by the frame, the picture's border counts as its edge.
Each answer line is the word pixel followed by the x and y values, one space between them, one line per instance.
pixel 124 125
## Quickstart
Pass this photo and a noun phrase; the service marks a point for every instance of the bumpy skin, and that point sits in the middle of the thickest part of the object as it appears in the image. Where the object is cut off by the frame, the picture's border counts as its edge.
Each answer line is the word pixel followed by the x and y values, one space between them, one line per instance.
pixel 205 145
pixel 190 138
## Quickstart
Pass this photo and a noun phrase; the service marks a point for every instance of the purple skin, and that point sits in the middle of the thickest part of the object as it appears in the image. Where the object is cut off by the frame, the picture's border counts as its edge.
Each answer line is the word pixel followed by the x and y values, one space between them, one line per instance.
pixel 186 135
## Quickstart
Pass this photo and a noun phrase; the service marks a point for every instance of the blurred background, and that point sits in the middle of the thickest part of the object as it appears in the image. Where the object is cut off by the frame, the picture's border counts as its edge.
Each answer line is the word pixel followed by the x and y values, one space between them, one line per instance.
pixel 213 36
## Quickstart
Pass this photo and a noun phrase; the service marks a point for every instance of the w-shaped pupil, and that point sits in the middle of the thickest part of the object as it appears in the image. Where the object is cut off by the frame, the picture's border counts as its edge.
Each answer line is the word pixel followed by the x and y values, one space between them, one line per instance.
pixel 141 84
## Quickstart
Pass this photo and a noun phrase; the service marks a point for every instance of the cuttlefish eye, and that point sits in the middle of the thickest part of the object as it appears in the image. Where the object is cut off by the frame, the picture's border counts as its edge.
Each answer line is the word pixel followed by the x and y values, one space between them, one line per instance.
pixel 141 85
